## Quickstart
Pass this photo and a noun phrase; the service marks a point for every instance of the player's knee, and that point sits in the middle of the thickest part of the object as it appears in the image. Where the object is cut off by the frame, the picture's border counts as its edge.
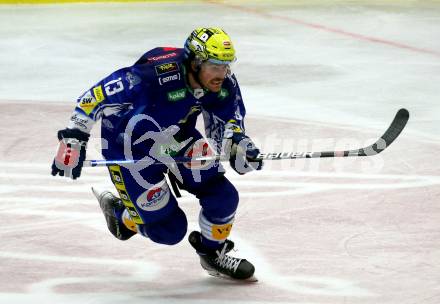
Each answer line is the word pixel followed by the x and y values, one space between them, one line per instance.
pixel 169 230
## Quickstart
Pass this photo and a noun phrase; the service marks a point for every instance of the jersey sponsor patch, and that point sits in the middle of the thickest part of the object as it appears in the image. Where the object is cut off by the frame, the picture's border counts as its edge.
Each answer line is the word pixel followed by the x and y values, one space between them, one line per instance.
pixel 154 198
pixel 99 95
pixel 174 96
pixel 88 102
pixel 166 68
pixel 163 80
pixel 80 121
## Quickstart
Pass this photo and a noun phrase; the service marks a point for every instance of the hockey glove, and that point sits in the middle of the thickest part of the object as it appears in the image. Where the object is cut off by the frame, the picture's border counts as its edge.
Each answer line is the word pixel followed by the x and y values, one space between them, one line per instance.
pixel 71 153
pixel 243 154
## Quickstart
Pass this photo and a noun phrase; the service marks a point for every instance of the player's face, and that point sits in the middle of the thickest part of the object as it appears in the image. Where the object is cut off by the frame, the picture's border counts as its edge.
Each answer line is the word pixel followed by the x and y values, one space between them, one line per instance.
pixel 212 75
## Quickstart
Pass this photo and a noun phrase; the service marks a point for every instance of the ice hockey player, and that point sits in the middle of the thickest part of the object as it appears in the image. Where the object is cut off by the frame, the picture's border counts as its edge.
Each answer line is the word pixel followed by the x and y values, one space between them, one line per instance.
pixel 149 111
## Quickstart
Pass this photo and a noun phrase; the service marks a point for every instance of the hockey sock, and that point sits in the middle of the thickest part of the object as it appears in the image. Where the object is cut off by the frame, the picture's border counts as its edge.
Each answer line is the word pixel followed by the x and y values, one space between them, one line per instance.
pixel 214 234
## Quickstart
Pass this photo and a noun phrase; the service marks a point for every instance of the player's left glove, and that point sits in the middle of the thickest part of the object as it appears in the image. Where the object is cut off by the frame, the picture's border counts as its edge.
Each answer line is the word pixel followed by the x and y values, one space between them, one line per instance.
pixel 71 153
pixel 243 153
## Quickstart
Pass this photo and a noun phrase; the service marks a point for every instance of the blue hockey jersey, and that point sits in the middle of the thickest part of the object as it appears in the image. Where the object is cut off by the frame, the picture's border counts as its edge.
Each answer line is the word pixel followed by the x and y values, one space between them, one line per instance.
pixel 156 85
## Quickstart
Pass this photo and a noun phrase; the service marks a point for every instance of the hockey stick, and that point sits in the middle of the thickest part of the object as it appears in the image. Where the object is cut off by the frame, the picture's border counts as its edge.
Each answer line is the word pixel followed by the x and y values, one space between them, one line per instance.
pixel 393 131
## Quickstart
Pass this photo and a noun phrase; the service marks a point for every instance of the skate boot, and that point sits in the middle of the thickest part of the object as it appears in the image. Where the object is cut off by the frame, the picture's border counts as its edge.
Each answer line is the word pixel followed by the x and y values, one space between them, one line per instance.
pixel 110 205
pixel 217 263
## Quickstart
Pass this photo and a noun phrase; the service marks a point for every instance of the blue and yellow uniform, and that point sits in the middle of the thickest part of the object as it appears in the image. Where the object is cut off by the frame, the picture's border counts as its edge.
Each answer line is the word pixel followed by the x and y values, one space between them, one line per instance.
pixel 147 98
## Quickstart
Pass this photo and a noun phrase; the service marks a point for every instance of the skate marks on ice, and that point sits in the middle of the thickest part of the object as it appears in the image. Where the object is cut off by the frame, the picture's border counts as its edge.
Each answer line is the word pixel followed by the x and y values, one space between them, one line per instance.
pixel 280 182
pixel 299 284
pixel 284 183
pixel 56 248
pixel 51 205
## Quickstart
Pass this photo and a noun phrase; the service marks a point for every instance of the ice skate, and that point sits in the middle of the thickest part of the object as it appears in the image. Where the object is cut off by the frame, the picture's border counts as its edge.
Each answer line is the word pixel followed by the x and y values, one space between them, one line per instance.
pixel 217 263
pixel 109 205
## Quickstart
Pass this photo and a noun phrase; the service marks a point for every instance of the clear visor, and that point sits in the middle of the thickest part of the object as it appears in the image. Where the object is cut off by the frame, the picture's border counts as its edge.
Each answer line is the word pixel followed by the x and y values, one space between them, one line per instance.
pixel 217 67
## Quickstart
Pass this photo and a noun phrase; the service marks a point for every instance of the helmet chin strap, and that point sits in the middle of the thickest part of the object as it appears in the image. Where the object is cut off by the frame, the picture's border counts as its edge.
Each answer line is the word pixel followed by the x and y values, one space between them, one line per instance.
pixel 198 92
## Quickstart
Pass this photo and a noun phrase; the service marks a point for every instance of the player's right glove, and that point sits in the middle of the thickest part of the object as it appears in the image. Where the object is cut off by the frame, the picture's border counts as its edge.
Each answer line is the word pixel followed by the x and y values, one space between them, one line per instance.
pixel 242 151
pixel 71 153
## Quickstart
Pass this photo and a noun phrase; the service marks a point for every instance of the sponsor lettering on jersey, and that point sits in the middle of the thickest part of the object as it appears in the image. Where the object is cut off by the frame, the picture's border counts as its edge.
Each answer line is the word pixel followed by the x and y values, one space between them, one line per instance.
pixel 174 96
pixel 81 122
pixel 161 57
pixel 99 94
pixel 166 68
pixel 154 198
pixel 163 80
pixel 88 103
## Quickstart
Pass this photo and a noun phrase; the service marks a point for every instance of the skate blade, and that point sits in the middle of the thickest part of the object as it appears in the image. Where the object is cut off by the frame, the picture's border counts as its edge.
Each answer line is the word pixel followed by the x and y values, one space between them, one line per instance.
pixel 97 193
pixel 252 279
